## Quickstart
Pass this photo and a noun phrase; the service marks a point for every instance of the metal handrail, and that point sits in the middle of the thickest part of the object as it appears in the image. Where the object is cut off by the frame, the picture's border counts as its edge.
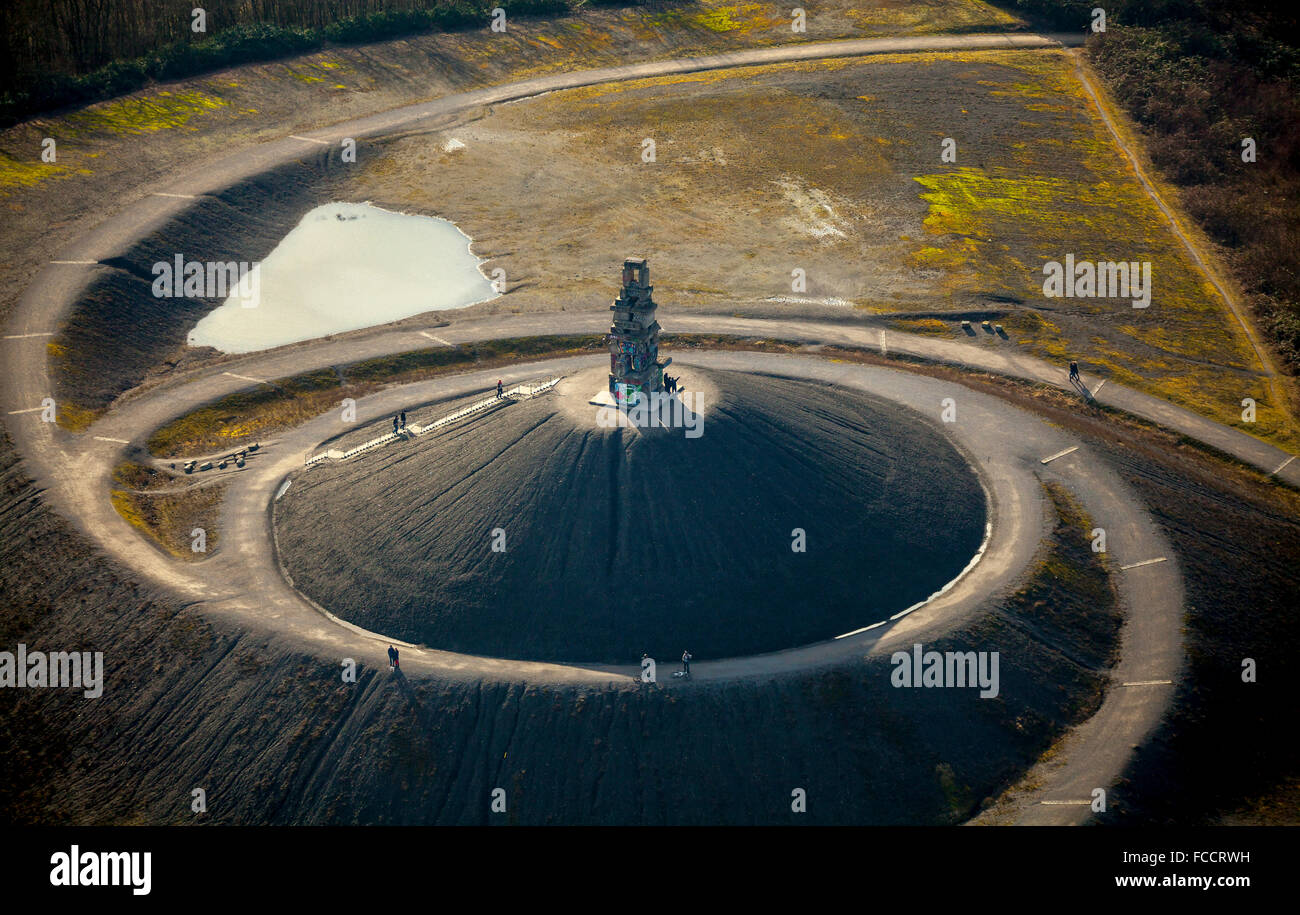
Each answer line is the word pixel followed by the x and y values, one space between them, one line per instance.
pixel 518 392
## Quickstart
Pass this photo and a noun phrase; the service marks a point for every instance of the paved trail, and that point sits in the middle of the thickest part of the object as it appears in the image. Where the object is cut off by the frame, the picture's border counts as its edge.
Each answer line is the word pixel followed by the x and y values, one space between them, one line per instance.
pixel 1175 225
pixel 243 581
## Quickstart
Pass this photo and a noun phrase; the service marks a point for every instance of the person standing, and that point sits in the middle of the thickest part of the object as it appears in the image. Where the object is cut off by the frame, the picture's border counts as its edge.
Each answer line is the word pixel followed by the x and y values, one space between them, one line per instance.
pixel 686 663
pixel 403 416
pixel 501 391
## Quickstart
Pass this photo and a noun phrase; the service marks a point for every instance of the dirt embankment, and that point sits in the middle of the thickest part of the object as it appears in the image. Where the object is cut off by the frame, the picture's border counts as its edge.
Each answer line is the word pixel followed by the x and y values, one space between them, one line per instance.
pixel 1228 746
pixel 241 705
pixel 120 333
pixel 616 542
pixel 1225 751
pixel 241 419
pixel 177 512
pixel 112 152
pixel 273 736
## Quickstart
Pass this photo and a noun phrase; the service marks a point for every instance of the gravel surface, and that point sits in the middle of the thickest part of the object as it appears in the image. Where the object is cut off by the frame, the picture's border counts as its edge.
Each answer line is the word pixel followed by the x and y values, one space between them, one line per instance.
pixel 619 542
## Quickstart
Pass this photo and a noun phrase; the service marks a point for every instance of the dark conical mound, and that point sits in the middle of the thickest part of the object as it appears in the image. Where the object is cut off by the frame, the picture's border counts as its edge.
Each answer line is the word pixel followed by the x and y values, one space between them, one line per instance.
pixel 619 542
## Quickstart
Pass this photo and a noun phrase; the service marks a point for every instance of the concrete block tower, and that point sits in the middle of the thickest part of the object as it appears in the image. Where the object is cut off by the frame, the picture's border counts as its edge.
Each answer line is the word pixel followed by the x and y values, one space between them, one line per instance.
pixel 634 366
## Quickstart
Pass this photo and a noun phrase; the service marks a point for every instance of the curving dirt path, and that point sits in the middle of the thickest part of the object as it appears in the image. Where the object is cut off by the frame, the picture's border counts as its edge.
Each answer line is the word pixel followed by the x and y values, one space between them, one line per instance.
pixel 1193 249
pixel 243 581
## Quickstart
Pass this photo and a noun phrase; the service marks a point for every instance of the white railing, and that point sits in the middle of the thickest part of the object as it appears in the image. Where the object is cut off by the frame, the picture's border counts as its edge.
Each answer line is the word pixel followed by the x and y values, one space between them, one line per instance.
pixel 518 392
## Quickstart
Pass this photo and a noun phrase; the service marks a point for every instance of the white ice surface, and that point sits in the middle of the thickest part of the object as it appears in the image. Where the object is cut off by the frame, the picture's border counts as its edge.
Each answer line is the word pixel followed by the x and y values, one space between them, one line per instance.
pixel 343 267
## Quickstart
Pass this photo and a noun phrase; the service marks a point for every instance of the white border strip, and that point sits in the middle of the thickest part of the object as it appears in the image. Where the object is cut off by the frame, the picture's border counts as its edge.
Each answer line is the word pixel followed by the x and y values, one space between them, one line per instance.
pixel 974 561
pixel 1144 562
pixel 1059 454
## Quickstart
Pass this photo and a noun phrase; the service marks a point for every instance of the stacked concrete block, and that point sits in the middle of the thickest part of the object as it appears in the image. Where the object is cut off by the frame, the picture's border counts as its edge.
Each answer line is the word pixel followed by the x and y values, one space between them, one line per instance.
pixel 634 366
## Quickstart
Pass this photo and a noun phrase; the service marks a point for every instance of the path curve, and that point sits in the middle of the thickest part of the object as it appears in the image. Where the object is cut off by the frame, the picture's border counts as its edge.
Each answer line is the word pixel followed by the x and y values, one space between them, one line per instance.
pixel 75 469
pixel 1175 225
pixel 243 582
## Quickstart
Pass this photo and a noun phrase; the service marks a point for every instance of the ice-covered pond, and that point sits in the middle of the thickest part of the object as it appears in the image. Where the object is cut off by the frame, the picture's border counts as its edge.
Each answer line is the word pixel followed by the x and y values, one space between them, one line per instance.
pixel 346 266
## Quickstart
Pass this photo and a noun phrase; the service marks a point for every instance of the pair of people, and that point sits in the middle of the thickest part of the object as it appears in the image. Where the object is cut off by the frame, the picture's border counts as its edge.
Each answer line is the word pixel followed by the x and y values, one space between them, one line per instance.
pixel 686 662
pixel 392 658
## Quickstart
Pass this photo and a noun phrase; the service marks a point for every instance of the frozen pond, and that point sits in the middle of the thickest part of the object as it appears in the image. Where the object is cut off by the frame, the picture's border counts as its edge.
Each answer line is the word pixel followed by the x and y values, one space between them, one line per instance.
pixel 346 266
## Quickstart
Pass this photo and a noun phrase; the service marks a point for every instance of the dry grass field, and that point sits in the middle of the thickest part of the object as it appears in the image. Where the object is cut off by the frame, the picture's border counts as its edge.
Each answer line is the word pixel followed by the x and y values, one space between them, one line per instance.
pixel 834 168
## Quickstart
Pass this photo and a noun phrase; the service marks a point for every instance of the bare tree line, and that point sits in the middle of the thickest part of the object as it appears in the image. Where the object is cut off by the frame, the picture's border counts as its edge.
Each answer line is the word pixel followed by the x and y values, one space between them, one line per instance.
pixel 74 37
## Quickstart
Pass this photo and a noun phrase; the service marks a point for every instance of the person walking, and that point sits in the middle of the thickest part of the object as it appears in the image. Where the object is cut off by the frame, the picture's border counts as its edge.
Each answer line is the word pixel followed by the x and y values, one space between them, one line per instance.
pixel 501 391
pixel 403 416
pixel 1074 372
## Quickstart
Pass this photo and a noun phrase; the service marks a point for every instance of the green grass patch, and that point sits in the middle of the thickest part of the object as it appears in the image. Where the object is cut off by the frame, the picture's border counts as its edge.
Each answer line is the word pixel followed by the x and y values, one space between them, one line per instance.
pixel 169 518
